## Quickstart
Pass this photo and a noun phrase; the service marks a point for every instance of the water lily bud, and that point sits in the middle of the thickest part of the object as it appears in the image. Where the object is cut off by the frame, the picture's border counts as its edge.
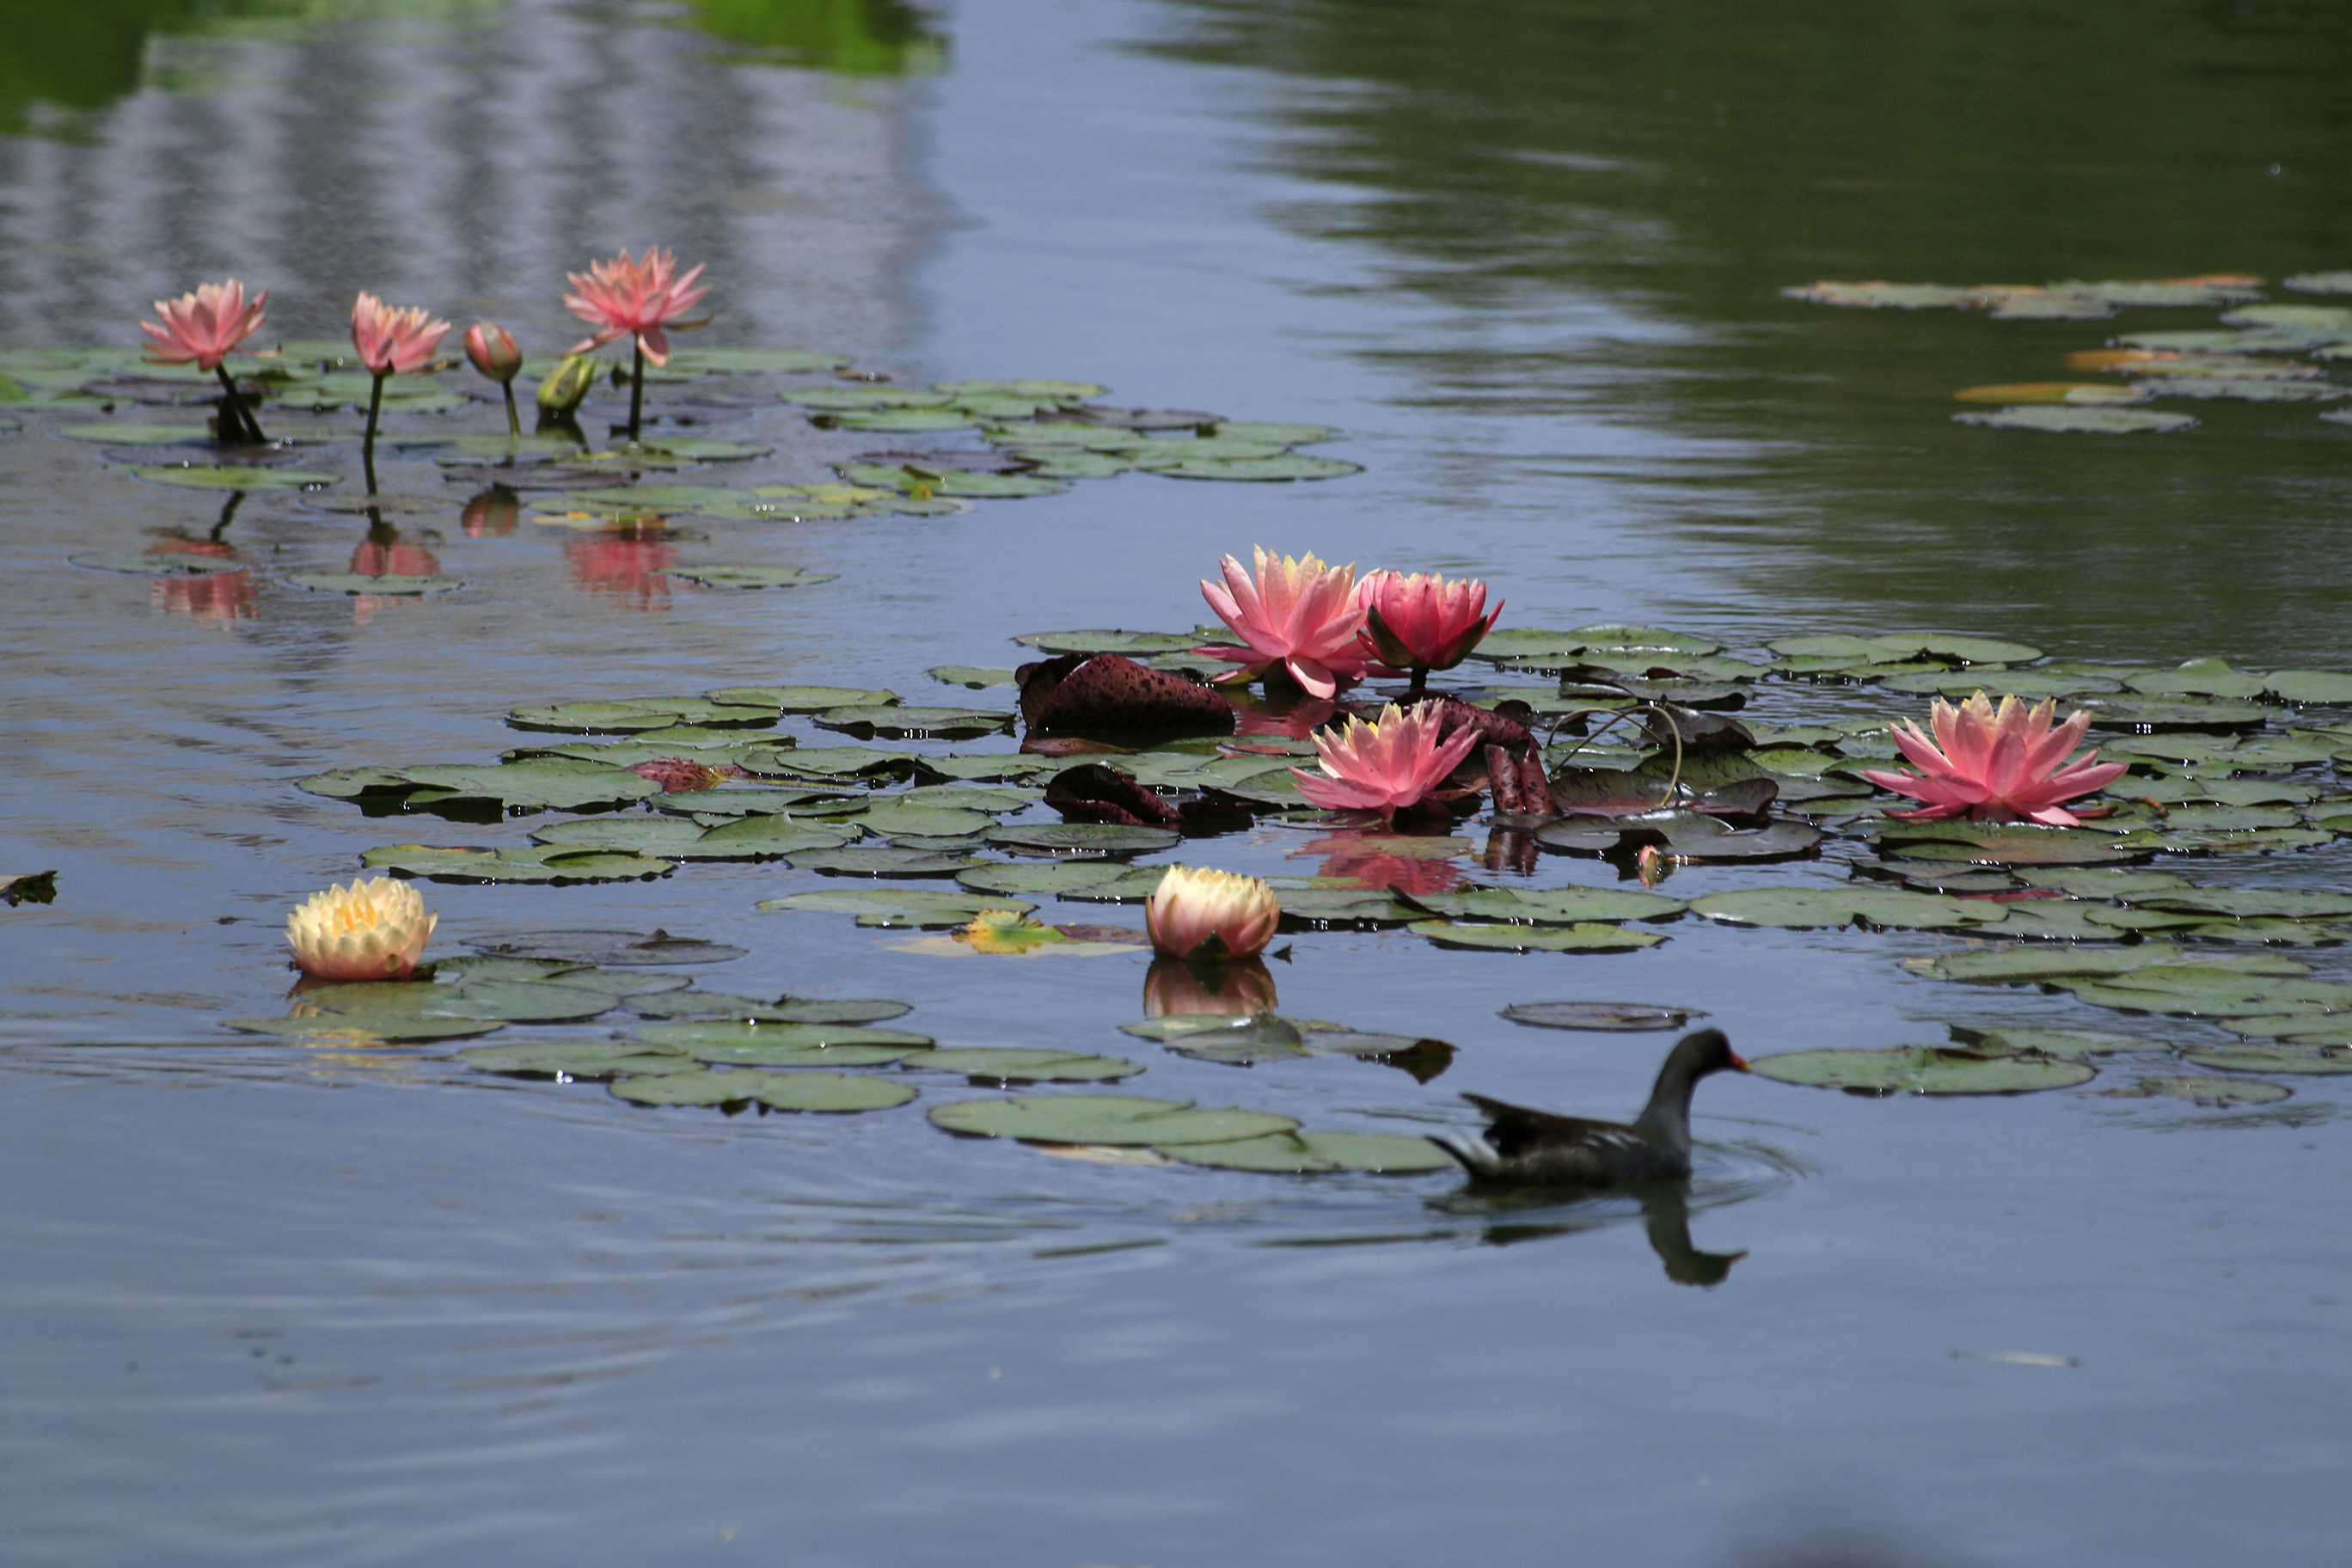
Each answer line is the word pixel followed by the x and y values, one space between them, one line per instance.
pixel 568 383
pixel 493 351
pixel 373 929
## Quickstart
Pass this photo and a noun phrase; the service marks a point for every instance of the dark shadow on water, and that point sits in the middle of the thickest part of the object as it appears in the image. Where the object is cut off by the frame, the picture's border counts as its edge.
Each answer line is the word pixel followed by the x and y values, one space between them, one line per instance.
pixel 1664 1208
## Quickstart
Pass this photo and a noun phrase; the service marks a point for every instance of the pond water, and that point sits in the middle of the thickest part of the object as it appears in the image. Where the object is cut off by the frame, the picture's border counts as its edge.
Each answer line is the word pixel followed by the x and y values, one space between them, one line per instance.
pixel 349 1302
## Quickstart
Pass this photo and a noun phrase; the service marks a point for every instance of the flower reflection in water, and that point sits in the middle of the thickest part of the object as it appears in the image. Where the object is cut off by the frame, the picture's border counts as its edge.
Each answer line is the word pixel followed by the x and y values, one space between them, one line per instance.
pixel 627 565
pixel 1238 989
pixel 492 514
pixel 382 554
pixel 223 596
pixel 1384 860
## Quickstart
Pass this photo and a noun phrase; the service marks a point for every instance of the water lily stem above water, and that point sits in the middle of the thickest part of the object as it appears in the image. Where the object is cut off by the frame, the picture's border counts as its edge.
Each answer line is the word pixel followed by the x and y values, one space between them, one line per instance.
pixel 514 418
pixel 637 390
pixel 367 442
pixel 235 414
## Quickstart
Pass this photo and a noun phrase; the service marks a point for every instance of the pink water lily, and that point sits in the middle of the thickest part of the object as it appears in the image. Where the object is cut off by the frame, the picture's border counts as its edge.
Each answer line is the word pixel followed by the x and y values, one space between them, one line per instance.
pixel 1995 764
pixel 1393 763
pixel 1199 914
pixel 639 299
pixel 1295 613
pixel 205 326
pixel 1423 622
pixel 394 342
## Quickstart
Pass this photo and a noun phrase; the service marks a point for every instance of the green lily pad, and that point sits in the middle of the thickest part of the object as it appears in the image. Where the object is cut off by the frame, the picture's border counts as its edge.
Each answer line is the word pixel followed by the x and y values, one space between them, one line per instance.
pixel 881 862
pixel 1606 1017
pixel 2102 882
pixel 1557 906
pixel 600 947
pixel 2263 389
pixel 1084 839
pixel 909 420
pixel 1315 1153
pixel 695 1037
pixel 2025 966
pixel 833 1092
pixel 390 583
pixel 2085 419
pixel 921 908
pixel 1043 391
pixel 1580 938
pixel 234 477
pixel 973 676
pixel 538 784
pixel 1126 1121
pixel 799 699
pixel 2240 904
pixel 1095 881
pixel 1802 906
pixel 2198 677
pixel 551 864
pixel 1922 1070
pixel 748 576
pixel 1134 645
pixel 2273 1058
pixel 371 1028
pixel 1883 296
pixel 159 564
pixel 1360 907
pixel 2207 1092
pixel 1000 1065
pixel 757 838
pixel 895 818
pixel 2002 844
pixel 130 435
pixel 630 715
pixel 1279 435
pixel 2072 1043
pixel 2309 686
pixel 2116 712
pixel 1291 466
pixel 2223 841
pixel 579 1059
pixel 897 722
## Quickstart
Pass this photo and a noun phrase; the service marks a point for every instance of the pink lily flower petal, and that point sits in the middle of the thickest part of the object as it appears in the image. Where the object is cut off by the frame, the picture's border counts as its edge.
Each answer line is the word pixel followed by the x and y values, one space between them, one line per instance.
pixel 1390 764
pixel 205 326
pixel 1298 613
pixel 1995 764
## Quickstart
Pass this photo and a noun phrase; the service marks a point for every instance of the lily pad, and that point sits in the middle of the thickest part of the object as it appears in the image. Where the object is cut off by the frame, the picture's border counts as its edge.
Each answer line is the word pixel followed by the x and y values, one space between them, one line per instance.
pixel 972 676
pixel 391 583
pixel 2001 843
pixel 897 722
pixel 1084 839
pixel 231 477
pixel 1360 907
pixel 921 908
pixel 2209 1091
pixel 537 784
pixel 2073 1043
pixel 1922 1070
pixel 2026 966
pixel 1812 906
pixel 2272 1058
pixel 837 1093
pixel 1134 645
pixel 130 435
pixel 1092 881
pixel 1604 1017
pixel 1580 938
pixel 554 864
pixel 1291 466
pixel 1315 1153
pixel 880 862
pixel 1885 296
pixel 604 948
pixel 1111 1119
pixel 2247 390
pixel 695 1037
pixel 2309 686
pixel 999 1065
pixel 631 715
pixel 748 576
pixel 1556 906
pixel 580 1059
pixel 757 838
pixel 2240 903
pixel 799 699
pixel 2081 419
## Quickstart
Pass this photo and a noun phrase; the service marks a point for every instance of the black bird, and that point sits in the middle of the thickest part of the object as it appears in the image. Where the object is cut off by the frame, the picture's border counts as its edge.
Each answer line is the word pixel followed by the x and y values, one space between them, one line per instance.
pixel 1535 1148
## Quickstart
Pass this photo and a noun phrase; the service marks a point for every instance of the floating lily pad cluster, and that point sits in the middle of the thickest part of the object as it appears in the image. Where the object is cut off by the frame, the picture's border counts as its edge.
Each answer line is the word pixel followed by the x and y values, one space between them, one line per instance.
pixel 2251 357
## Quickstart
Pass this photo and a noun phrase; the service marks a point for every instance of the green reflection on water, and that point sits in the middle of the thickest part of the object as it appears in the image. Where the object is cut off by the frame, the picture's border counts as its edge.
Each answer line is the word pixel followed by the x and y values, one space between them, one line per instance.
pixel 83 55
pixel 859 38
pixel 1682 159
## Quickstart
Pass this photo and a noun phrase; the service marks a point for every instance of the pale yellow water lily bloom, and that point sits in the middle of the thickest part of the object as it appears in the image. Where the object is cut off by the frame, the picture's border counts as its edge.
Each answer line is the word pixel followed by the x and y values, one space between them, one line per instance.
pixel 372 929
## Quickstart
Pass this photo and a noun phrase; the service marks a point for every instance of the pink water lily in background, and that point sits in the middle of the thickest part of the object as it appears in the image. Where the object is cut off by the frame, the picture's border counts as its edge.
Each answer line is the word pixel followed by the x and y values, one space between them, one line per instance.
pixel 1995 764
pixel 1199 913
pixel 205 325
pixel 394 342
pixel 639 299
pixel 1423 622
pixel 1295 613
pixel 1391 765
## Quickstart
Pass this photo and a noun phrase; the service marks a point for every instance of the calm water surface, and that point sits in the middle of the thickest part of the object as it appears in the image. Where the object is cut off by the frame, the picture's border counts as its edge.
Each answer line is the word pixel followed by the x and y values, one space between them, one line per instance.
pixel 268 1304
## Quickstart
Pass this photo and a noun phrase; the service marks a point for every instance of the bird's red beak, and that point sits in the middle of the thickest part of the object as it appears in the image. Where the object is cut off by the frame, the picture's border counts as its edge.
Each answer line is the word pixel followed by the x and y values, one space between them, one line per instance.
pixel 1740 1062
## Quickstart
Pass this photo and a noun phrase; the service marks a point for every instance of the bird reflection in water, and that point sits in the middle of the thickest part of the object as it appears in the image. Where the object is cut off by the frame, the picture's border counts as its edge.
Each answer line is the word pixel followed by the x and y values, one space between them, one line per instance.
pixel 1666 1218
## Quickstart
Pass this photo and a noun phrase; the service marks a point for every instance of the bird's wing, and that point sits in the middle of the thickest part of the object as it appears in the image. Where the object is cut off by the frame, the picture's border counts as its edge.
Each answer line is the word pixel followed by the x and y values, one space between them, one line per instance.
pixel 1514 1129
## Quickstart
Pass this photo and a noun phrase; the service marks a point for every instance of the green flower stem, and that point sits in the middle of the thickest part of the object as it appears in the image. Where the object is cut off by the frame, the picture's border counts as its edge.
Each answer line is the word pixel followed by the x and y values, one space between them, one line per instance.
pixel 637 391
pixel 367 445
pixel 234 410
pixel 514 420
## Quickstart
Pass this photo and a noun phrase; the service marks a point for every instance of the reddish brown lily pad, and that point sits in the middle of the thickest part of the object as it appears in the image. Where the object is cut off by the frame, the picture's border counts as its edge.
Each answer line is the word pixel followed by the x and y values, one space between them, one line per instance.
pixel 1109 692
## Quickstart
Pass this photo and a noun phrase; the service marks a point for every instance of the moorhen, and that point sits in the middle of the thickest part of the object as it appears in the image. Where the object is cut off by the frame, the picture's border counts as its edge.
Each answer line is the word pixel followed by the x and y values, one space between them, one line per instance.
pixel 1535 1148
